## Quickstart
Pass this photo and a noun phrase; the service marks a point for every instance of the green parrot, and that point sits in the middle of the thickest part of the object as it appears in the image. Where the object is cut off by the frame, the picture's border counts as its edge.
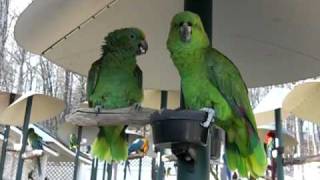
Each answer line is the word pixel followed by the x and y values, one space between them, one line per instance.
pixel 115 81
pixel 36 142
pixel 73 144
pixel 211 82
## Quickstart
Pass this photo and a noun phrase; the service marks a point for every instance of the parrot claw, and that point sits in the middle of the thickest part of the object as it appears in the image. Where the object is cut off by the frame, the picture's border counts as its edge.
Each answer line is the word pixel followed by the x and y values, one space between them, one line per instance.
pixel 137 107
pixel 210 118
pixel 97 109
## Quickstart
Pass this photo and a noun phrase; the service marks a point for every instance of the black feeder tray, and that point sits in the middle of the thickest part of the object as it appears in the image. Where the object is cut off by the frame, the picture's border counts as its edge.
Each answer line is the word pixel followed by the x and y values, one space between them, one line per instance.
pixel 178 126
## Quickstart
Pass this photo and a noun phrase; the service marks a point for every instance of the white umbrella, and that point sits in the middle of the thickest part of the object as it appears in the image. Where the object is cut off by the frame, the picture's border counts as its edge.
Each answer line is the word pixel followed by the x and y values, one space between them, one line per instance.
pixel 304 101
pixel 270 41
pixel 5 100
pixel 264 112
pixel 43 108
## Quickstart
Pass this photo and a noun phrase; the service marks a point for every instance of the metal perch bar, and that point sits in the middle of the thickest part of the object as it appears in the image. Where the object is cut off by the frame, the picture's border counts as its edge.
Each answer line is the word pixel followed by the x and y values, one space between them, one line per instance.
pixel 128 115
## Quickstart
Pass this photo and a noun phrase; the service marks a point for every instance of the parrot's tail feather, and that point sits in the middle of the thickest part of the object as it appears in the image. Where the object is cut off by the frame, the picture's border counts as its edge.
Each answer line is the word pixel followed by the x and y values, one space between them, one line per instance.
pixel 119 149
pixel 101 148
pixel 252 165
pixel 39 166
pixel 235 160
pixel 110 144
pixel 257 161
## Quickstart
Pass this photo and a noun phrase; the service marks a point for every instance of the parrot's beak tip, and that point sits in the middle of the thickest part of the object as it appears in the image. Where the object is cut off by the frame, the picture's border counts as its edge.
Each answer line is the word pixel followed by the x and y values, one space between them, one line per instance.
pixel 185 32
pixel 142 47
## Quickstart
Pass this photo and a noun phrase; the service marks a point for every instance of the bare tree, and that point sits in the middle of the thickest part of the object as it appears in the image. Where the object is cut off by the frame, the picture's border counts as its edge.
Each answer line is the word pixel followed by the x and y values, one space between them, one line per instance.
pixel 4 13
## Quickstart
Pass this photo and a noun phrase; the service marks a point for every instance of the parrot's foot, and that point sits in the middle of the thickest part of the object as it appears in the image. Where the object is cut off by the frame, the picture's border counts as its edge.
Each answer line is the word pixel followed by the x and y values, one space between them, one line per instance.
pixel 97 109
pixel 210 117
pixel 184 152
pixel 136 107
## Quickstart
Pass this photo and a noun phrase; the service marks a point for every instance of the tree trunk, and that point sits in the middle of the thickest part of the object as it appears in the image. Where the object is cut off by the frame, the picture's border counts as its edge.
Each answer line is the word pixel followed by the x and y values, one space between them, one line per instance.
pixel 66 94
pixel 4 11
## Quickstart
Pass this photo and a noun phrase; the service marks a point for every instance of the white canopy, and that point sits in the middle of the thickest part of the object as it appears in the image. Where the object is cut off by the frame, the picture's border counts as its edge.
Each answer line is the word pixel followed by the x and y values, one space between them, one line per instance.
pixel 270 41
pixel 264 112
pixel 304 101
pixel 43 108
pixel 5 100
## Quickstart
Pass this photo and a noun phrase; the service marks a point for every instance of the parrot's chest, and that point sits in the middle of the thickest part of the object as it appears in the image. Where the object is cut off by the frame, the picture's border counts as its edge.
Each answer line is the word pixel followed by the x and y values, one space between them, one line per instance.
pixel 116 89
pixel 195 92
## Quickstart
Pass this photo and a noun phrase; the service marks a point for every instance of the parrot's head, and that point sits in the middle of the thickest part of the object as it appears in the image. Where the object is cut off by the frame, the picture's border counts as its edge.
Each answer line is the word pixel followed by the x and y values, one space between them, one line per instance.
pixel 127 40
pixel 186 33
pixel 30 131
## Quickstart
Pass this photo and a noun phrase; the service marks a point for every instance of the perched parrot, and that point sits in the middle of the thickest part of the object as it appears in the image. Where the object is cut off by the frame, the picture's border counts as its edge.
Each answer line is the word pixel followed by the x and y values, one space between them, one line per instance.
pixel 115 81
pixel 35 141
pixel 140 145
pixel 211 82
pixel 73 144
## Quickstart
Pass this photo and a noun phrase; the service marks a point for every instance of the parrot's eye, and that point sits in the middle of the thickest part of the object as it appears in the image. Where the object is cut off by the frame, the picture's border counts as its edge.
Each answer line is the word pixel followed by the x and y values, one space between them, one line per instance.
pixel 189 23
pixel 132 36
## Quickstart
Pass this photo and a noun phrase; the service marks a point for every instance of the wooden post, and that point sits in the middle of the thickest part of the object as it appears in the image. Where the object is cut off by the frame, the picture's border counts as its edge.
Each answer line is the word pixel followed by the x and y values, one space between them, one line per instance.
pixel 24 137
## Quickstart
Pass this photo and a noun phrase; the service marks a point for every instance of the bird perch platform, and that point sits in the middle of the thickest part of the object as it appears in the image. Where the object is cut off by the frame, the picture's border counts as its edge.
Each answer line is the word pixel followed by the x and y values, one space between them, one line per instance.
pixel 128 115
pixel 136 156
pixel 32 154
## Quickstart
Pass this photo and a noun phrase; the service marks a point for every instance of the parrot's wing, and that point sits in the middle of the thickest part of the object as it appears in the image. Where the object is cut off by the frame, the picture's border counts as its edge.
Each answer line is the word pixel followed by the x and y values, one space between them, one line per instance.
pixel 135 146
pixel 138 75
pixel 227 78
pixel 93 78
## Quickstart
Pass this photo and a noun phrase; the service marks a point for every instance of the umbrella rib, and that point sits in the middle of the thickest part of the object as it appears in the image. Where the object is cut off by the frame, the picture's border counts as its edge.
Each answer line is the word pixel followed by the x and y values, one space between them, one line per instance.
pixel 109 5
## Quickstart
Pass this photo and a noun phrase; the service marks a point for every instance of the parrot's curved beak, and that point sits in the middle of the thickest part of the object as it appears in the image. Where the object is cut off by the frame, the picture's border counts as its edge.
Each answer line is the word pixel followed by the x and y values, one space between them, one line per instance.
pixel 142 47
pixel 185 32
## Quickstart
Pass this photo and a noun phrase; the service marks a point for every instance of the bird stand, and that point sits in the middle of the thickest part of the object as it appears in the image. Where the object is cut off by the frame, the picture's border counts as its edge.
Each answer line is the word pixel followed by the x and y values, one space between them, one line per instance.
pixel 128 115
pixel 171 127
pixel 136 156
pixel 32 154
pixel 181 131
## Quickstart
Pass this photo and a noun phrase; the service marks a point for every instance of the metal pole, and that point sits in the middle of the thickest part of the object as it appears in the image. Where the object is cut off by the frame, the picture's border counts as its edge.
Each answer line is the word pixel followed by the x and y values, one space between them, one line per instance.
pixel 140 166
pixel 163 105
pixel 96 169
pixel 104 170
pixel 76 160
pixel 5 140
pixel 200 168
pixel 4 149
pixel 24 137
pixel 92 168
pixel 126 164
pixel 279 144
pixel 153 169
pixel 109 169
